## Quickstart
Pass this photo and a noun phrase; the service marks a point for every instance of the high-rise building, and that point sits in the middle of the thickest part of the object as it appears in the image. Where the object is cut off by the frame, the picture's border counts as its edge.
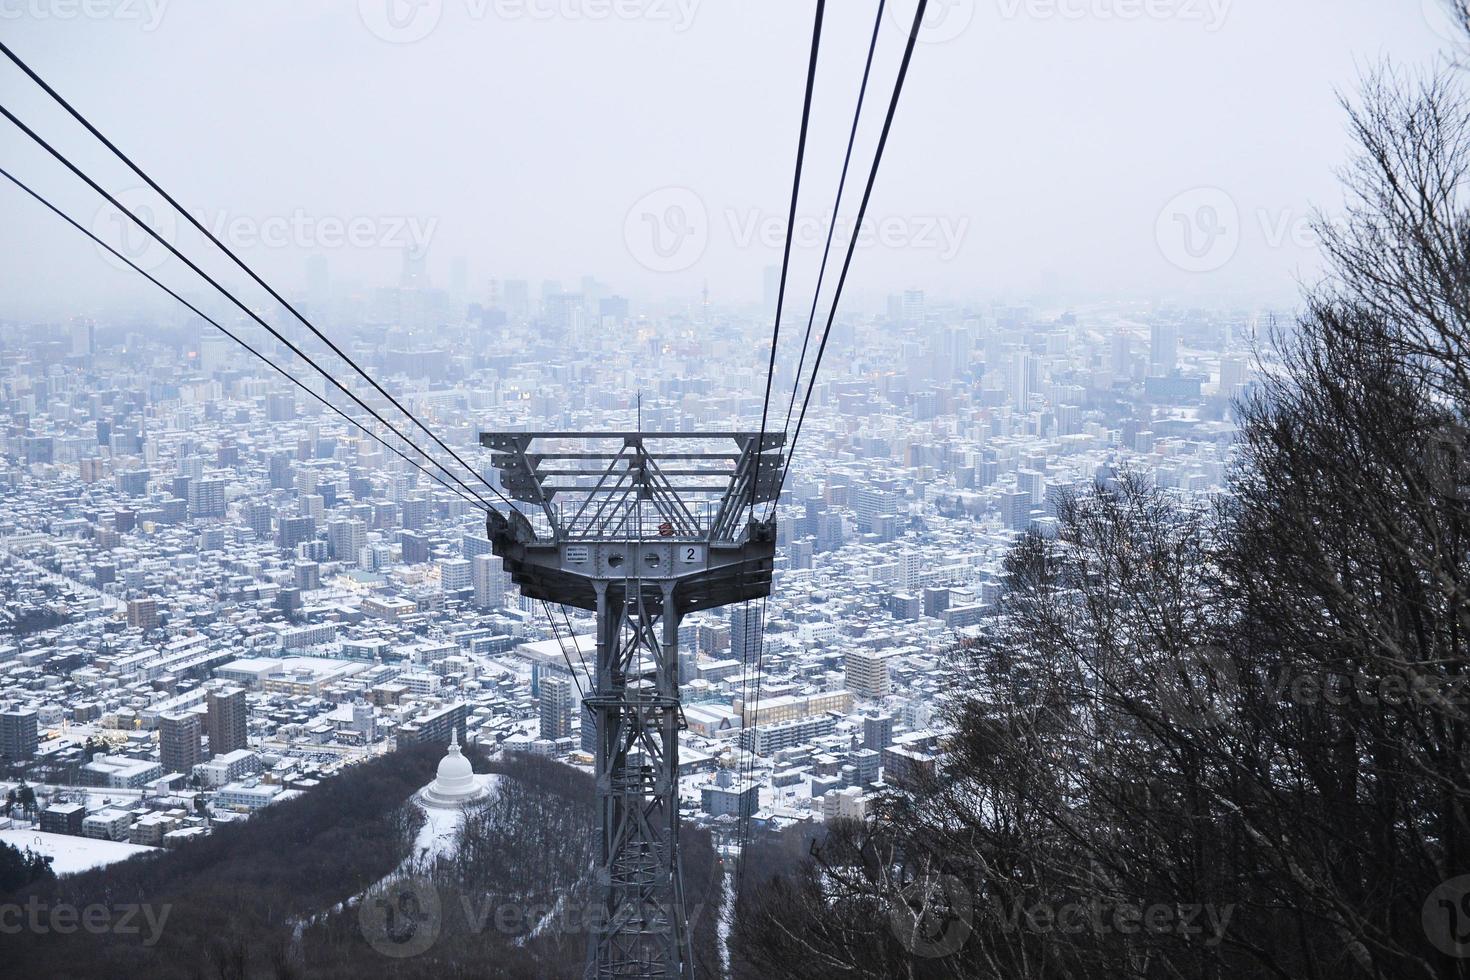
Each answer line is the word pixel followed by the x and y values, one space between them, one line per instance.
pixel 1025 379
pixel 280 406
pixel 1122 355
pixel 307 576
pixel 1233 368
pixel 178 742
pixel 558 707
pixel 227 720
pixel 143 613
pixel 415 547
pixel 1032 482
pixel 745 631
pixel 19 734
pixel 415 512
pixel 913 307
pixel 256 515
pixel 364 720
pixel 454 574
pixel 1163 348
pixel 1015 509
pixel 279 471
pixel 133 483
pixel 346 538
pixel 436 726
pixel 877 732
pixel 206 498
pixel 490 581
pixel 292 531
pixel 867 673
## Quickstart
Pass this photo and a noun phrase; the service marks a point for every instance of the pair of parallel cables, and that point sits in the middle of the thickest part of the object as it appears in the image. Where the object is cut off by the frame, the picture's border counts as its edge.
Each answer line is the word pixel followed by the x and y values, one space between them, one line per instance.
pixel 752 671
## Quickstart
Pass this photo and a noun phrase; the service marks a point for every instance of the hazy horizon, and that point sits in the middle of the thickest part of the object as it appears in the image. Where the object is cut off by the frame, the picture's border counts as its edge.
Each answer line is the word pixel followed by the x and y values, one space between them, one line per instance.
pixel 1103 151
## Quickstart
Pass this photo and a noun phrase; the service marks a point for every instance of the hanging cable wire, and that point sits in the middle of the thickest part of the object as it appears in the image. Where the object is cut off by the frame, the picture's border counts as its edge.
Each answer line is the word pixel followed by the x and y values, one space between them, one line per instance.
pixel 831 315
pixel 903 70
pixel 806 111
pixel 41 141
pixel 745 815
pixel 575 645
pixel 831 228
pixel 199 226
pixel 237 339
pixel 556 632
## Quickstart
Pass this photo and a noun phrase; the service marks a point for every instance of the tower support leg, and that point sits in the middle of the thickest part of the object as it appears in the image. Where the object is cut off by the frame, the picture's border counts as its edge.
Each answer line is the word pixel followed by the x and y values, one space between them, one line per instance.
pixel 641 929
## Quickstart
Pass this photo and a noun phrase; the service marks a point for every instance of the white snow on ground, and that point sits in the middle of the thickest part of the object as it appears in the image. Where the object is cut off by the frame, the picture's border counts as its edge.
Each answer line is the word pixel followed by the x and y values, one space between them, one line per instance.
pixel 437 837
pixel 70 855
pixel 544 921
pixel 727 915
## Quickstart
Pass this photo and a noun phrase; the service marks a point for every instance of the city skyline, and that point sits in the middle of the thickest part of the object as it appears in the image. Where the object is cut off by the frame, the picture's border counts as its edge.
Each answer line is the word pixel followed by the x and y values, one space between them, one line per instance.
pixel 1209 189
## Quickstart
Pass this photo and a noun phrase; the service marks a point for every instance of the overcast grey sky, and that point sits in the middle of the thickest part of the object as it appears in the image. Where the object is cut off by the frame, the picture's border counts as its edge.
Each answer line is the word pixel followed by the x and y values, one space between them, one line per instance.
pixel 1076 148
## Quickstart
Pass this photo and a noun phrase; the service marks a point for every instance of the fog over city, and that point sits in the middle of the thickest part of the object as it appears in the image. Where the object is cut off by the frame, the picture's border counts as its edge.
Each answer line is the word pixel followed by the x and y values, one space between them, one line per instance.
pixel 735 489
pixel 555 138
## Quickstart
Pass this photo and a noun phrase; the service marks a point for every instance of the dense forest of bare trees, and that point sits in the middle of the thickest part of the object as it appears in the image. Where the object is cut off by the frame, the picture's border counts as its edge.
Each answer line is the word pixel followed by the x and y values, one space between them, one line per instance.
pixel 1224 741
pixel 282 894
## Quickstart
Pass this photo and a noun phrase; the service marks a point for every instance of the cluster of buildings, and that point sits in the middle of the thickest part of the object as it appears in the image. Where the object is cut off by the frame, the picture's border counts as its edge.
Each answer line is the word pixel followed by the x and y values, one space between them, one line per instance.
pixel 214 592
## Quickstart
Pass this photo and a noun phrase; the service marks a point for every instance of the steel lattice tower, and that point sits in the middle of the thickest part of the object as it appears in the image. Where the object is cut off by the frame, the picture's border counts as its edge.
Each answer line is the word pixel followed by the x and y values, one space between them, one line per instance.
pixel 643 528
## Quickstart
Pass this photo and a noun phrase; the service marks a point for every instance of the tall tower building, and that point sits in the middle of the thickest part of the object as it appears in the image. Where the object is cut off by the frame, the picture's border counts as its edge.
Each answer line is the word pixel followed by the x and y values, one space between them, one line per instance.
pixel 558 707
pixel 256 515
pixel 143 613
pixel 346 539
pixel 745 631
pixel 490 581
pixel 227 720
pixel 178 742
pixel 1163 348
pixel 19 734
pixel 867 673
